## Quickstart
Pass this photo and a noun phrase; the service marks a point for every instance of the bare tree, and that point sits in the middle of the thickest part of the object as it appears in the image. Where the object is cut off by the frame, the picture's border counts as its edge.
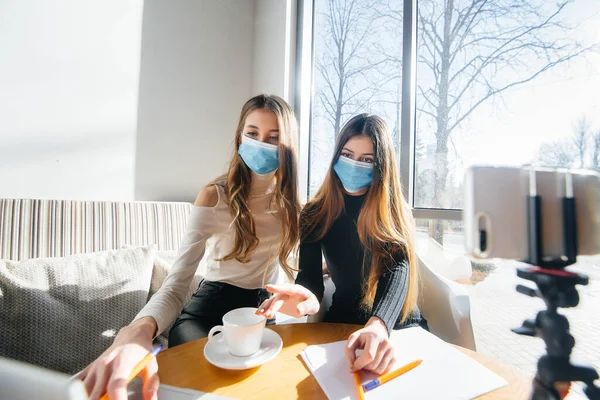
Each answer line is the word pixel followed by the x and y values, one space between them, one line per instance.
pixel 564 153
pixel 420 148
pixel 352 72
pixel 556 154
pixel 471 51
pixel 477 49
pixel 424 177
pixel 349 62
pixel 580 139
pixel 596 151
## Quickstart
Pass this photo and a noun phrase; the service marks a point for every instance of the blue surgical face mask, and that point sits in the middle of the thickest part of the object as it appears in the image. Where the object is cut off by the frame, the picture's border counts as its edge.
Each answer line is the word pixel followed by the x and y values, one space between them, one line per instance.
pixel 260 157
pixel 355 175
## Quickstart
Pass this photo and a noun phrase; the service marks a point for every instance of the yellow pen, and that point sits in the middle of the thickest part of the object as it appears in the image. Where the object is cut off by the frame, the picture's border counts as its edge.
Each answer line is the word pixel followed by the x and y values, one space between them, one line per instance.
pixel 390 375
pixel 139 367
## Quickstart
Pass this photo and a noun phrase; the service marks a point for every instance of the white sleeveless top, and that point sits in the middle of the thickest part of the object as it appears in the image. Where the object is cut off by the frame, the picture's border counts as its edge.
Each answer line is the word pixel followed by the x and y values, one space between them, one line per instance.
pixel 210 235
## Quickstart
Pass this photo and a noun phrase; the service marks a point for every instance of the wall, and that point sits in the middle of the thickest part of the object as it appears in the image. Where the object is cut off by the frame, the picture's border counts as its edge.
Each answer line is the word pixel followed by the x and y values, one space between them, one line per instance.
pixel 68 98
pixel 274 47
pixel 196 73
pixel 135 100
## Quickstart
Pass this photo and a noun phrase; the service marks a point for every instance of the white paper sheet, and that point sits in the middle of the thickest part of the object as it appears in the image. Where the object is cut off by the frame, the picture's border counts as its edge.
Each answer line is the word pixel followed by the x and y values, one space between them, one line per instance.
pixel 166 392
pixel 445 372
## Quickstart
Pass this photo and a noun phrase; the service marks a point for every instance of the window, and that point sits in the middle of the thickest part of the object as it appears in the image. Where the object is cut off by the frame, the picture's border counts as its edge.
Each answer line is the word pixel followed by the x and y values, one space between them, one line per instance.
pixel 357 68
pixel 505 83
pixel 502 82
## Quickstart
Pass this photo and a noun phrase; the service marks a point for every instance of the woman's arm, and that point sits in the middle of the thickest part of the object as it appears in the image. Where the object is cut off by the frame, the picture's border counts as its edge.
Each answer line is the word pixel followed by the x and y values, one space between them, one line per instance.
pixel 304 297
pixel 311 268
pixel 391 293
pixel 373 339
pixel 167 303
pixel 109 372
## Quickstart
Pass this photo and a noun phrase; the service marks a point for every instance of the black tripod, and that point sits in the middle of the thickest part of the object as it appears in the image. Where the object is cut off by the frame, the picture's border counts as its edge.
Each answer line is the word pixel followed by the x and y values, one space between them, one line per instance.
pixel 556 287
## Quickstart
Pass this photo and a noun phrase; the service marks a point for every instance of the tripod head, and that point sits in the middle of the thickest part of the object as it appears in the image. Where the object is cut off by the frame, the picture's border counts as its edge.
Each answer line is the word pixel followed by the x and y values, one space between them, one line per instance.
pixel 557 287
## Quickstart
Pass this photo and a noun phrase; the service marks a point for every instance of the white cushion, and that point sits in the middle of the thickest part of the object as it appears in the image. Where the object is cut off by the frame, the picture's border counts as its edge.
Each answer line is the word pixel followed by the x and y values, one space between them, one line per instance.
pixel 451 266
pixel 446 307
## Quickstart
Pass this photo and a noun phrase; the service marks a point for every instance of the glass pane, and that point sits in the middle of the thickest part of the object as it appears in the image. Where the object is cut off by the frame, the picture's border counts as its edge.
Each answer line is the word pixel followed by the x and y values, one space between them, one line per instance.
pixel 358 65
pixel 504 82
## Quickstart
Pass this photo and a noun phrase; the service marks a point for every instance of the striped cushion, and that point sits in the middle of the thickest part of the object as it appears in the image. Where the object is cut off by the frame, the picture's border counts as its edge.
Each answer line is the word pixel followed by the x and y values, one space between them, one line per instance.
pixel 56 228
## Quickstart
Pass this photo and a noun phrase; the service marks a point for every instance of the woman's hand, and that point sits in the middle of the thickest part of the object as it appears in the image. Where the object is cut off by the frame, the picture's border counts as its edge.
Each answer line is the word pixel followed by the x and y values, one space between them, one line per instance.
pixel 109 372
pixel 293 300
pixel 378 352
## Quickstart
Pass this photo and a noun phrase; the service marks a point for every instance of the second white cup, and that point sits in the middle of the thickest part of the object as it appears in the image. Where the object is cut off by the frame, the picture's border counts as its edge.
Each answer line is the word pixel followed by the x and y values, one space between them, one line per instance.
pixel 242 331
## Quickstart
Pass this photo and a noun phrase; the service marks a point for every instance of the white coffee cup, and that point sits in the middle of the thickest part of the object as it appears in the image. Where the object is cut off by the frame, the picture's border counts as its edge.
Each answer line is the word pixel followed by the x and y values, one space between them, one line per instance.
pixel 242 331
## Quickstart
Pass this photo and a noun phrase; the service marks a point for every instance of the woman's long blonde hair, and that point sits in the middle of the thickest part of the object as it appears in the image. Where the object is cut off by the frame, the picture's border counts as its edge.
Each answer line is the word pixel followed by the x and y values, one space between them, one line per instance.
pixel 385 224
pixel 285 193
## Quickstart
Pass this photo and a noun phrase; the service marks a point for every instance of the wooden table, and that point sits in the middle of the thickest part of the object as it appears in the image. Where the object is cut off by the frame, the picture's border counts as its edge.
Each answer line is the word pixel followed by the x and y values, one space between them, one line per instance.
pixel 286 377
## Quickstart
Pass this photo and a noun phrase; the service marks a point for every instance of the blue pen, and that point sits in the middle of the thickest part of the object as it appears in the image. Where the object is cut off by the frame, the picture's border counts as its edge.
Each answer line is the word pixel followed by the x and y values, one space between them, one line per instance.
pixel 371 385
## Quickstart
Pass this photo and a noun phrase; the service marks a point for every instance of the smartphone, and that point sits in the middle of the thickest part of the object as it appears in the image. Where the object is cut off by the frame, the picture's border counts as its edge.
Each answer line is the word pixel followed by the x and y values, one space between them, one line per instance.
pixel 495 210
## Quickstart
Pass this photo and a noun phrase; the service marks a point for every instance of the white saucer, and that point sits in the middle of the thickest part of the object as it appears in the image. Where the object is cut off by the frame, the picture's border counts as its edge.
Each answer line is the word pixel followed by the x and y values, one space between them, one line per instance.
pixel 217 353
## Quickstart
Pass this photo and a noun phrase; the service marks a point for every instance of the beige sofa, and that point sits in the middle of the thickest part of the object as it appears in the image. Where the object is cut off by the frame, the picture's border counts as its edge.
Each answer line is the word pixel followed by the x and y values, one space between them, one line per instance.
pixel 72 273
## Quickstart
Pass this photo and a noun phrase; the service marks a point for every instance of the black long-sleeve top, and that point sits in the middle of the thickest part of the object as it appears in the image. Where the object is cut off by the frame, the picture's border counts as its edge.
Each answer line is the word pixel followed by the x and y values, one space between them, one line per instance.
pixel 345 256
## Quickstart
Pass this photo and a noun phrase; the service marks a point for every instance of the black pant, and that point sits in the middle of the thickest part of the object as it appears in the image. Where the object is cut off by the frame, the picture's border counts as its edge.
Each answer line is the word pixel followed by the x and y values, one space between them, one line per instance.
pixel 207 306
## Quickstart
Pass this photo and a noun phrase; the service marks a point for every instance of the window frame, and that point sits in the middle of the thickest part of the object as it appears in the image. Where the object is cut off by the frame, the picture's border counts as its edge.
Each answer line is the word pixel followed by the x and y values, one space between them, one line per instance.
pixel 305 90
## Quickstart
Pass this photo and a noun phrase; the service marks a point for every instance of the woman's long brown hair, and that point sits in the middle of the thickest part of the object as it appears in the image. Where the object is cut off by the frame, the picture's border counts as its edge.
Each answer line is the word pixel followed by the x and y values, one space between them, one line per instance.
pixel 285 193
pixel 385 224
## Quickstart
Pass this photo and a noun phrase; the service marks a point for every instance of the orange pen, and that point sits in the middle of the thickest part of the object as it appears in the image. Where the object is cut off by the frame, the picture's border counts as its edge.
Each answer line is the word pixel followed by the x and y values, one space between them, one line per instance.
pixel 138 368
pixel 359 388
pixel 390 375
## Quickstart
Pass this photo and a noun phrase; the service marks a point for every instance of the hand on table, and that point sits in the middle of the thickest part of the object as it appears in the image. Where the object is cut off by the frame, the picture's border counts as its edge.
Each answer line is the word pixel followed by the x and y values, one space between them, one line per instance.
pixel 293 300
pixel 378 351
pixel 110 372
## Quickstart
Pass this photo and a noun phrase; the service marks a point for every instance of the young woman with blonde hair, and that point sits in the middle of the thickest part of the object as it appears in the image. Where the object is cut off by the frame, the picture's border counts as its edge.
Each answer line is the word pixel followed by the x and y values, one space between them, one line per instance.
pixel 361 223
pixel 244 225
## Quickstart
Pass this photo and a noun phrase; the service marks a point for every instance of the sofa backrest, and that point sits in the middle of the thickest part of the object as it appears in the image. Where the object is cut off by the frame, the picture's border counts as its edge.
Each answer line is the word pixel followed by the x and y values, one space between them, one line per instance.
pixel 55 228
